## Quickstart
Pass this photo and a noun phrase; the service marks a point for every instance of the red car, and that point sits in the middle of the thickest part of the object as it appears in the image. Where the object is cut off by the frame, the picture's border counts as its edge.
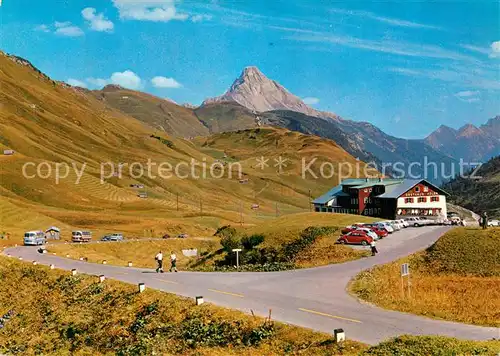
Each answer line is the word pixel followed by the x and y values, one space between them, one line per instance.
pixel 379 231
pixel 355 237
pixel 351 228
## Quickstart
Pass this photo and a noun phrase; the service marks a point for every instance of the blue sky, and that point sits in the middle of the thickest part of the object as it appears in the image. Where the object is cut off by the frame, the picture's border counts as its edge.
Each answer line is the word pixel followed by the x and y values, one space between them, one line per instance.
pixel 406 67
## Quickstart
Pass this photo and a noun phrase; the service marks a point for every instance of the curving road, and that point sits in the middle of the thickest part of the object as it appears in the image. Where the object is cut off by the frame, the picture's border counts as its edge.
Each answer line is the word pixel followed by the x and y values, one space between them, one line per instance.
pixel 315 298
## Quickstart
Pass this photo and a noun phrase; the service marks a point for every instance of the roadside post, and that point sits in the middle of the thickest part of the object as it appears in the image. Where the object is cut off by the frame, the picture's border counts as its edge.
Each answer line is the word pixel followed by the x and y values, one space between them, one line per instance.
pixel 405 272
pixel 237 250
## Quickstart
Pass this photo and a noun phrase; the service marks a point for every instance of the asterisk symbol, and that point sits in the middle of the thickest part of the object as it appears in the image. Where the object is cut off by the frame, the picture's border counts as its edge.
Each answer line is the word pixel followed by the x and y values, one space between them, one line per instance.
pixel 262 162
pixel 280 163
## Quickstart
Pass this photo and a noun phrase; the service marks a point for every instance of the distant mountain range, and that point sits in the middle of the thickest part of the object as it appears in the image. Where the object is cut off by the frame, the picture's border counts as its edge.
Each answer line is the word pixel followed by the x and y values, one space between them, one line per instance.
pixel 254 100
pixel 470 143
pixel 481 192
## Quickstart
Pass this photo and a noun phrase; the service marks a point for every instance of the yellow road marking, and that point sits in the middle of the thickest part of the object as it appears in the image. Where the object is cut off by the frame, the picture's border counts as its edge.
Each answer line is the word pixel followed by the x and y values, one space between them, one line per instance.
pixel 329 315
pixel 228 293
pixel 166 281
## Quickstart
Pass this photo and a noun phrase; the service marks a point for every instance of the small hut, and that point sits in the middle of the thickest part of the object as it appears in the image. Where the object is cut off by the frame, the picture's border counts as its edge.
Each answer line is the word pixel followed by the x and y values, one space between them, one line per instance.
pixel 53 233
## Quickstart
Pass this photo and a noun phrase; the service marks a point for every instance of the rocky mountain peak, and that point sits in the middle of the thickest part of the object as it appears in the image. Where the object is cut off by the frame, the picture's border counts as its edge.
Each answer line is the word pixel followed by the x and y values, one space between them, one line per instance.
pixel 253 90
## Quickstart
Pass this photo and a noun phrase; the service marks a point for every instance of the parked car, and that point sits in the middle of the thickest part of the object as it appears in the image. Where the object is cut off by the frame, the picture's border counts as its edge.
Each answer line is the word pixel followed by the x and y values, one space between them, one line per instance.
pixel 403 222
pixel 81 236
pixel 34 238
pixel 183 236
pixel 113 237
pixel 381 232
pixel 369 232
pixel 494 223
pixel 394 225
pixel 166 236
pixel 355 237
pixel 417 221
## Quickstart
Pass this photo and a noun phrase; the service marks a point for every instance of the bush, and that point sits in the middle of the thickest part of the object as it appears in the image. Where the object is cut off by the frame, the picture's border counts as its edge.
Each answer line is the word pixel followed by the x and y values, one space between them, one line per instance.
pixel 225 230
pixel 249 242
pixel 229 243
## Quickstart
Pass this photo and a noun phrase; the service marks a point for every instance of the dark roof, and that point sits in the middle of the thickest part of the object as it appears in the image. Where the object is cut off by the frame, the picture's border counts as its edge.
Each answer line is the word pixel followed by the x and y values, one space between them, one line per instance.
pixel 396 190
pixel 334 192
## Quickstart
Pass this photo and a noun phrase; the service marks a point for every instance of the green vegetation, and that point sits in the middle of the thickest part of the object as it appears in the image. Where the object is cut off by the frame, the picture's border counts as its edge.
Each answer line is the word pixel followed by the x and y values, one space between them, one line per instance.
pixel 479 194
pixel 455 279
pixel 288 242
pixel 433 345
pixel 56 313
pixel 466 252
pixel 77 315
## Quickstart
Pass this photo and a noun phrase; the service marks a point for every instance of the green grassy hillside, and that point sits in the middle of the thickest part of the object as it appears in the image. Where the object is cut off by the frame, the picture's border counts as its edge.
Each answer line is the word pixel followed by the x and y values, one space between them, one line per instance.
pixel 48 123
pixel 455 279
pixel 481 193
pixel 76 315
pixel 223 117
pixel 156 112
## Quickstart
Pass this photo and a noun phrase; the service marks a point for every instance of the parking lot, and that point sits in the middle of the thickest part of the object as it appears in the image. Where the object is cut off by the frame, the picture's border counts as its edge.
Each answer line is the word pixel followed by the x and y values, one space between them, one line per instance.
pixel 397 238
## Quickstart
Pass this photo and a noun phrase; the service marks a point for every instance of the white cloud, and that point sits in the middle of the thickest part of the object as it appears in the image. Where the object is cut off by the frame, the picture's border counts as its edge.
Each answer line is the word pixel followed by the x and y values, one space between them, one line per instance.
pixel 199 18
pixel 65 28
pixel 467 93
pixel 97 21
pixel 42 28
pixel 472 76
pixel 76 83
pixel 387 20
pixel 310 100
pixel 97 82
pixel 149 10
pixel 468 96
pixel 69 31
pixel 495 49
pixel 126 79
pixel 164 82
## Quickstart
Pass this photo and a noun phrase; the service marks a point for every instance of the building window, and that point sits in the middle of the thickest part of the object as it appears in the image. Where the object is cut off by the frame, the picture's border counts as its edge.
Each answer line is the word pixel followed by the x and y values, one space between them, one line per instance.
pixel 365 200
pixel 408 200
pixel 316 208
pixel 426 189
pixel 417 189
pixel 422 199
pixel 434 198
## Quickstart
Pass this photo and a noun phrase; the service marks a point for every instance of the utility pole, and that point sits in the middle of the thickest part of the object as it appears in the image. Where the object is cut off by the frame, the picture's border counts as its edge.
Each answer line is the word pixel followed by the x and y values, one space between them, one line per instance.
pixel 177 201
pixel 241 213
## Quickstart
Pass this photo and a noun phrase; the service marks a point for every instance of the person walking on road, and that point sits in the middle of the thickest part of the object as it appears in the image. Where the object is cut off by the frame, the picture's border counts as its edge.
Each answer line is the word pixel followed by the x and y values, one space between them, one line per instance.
pixel 373 247
pixel 173 262
pixel 485 220
pixel 159 261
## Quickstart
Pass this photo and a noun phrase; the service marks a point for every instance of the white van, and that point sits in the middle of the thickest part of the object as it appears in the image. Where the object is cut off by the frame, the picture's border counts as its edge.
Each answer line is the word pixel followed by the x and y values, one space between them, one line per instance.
pixel 34 238
pixel 81 236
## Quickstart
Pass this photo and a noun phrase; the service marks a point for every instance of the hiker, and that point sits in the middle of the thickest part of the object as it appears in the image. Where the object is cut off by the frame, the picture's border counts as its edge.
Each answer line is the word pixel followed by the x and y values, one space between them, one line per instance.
pixel 159 260
pixel 173 262
pixel 464 223
pixel 373 247
pixel 485 220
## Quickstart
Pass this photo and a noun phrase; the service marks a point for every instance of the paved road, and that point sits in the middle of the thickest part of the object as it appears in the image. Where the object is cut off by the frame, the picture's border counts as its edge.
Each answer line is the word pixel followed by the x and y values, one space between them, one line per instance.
pixel 315 298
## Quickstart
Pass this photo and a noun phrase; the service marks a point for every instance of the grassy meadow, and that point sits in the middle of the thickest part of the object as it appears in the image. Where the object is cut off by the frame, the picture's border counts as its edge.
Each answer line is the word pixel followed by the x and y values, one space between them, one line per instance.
pixel 52 312
pixel 458 279
pixel 276 232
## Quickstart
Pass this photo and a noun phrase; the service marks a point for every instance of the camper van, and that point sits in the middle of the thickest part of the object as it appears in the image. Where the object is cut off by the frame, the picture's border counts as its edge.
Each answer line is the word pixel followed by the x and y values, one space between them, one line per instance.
pixel 81 236
pixel 34 238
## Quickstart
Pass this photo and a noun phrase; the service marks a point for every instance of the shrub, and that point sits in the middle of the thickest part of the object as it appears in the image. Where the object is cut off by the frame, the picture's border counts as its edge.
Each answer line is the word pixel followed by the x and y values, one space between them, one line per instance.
pixel 249 242
pixel 226 230
pixel 230 242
